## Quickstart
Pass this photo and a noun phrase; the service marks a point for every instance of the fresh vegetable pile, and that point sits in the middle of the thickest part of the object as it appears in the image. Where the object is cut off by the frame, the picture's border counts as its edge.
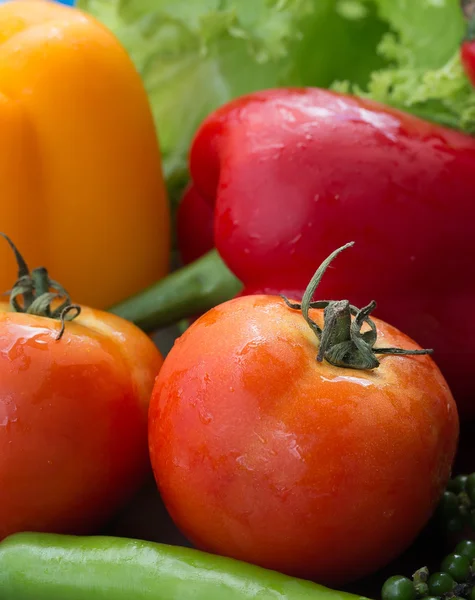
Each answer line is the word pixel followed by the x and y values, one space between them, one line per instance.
pixel 328 168
pixel 313 421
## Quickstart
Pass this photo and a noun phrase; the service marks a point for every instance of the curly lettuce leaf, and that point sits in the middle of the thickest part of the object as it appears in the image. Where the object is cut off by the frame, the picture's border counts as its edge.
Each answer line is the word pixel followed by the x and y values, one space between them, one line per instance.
pixel 424 74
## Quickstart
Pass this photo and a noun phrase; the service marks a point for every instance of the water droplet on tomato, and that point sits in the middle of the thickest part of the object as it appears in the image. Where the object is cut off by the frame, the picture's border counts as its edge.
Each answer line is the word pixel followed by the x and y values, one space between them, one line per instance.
pixel 8 411
pixel 18 338
pixel 205 417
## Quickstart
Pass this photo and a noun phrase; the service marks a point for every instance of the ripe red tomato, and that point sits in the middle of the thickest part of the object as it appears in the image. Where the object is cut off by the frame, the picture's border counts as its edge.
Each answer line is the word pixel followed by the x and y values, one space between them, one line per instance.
pixel 73 419
pixel 266 455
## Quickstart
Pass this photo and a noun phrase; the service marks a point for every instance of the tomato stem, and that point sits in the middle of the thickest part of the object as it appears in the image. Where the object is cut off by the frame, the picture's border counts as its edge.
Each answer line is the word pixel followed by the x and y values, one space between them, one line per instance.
pixel 39 293
pixel 342 342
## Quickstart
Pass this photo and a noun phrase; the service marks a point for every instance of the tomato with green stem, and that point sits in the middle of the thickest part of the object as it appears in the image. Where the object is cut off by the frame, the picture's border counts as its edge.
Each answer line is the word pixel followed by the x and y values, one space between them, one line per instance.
pixel 74 390
pixel 301 437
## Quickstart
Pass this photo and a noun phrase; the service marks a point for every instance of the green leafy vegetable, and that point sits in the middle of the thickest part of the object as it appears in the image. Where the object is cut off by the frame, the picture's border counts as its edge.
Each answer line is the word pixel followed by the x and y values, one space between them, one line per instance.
pixel 195 55
pixel 424 74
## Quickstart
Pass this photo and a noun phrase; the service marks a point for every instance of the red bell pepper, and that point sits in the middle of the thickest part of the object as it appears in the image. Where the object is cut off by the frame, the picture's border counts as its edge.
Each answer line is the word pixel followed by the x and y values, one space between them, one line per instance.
pixel 195 234
pixel 291 174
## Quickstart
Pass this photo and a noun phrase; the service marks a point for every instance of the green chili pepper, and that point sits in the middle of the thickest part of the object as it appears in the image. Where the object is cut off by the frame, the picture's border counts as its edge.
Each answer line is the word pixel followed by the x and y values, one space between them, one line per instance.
pixel 35 566
pixel 185 293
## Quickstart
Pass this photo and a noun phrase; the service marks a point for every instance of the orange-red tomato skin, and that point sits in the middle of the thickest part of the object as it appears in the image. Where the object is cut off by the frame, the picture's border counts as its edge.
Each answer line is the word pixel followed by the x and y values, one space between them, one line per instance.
pixel 263 454
pixel 73 419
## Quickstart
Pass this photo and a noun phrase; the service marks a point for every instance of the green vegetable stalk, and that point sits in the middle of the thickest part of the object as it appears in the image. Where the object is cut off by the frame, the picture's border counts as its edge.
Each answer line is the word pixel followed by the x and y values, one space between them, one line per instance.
pixel 186 293
pixel 54 567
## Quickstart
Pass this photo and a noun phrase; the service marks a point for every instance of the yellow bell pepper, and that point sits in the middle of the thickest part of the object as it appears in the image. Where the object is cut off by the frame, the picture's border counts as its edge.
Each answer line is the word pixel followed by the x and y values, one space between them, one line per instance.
pixel 81 186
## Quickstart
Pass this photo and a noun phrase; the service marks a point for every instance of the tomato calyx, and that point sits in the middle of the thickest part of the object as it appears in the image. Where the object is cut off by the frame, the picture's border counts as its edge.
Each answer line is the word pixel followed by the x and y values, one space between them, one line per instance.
pixel 342 343
pixel 39 293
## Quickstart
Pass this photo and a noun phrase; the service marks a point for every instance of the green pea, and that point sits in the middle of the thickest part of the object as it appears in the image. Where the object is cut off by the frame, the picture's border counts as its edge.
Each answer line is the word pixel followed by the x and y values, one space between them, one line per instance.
pixel 440 583
pixel 448 505
pixel 454 525
pixel 470 487
pixel 398 588
pixel 466 548
pixel 457 566
pixel 457 484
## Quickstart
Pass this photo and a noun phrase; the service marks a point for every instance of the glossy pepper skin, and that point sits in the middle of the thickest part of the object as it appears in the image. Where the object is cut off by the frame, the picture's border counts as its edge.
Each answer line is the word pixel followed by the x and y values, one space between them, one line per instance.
pixel 292 173
pixel 51 567
pixel 194 225
pixel 78 155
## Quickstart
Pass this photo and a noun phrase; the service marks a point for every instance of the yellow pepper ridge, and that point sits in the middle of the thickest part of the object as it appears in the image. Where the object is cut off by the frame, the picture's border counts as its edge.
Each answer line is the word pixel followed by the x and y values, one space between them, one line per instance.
pixel 80 171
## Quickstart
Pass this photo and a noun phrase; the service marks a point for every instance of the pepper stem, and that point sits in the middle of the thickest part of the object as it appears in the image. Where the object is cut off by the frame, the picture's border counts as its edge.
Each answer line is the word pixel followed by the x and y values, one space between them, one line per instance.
pixel 342 343
pixel 39 293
